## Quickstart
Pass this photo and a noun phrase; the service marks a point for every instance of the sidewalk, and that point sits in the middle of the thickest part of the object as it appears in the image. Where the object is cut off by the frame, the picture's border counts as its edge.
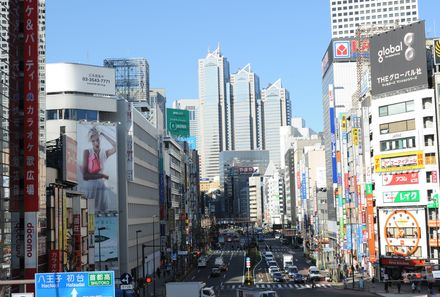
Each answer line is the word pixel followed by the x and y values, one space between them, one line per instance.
pixel 378 288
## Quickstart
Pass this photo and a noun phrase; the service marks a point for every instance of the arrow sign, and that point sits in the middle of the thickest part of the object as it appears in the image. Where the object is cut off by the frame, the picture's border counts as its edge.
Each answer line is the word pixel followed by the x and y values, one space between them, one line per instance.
pixel 74 292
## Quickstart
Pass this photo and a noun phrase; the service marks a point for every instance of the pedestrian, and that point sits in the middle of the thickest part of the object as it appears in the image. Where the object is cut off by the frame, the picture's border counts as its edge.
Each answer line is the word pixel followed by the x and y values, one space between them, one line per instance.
pixel 386 286
pixel 361 283
pixel 398 287
pixel 430 288
pixel 313 283
pixel 418 288
pixel 413 287
pixel 158 272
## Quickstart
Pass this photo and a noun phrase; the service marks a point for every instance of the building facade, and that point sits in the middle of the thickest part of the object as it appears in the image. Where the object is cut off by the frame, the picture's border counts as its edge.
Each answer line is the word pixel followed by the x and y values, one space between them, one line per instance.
pixel 346 16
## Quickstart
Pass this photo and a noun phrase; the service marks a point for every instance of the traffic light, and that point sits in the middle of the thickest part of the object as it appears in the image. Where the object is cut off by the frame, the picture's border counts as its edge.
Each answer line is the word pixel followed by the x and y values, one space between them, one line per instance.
pixel 148 280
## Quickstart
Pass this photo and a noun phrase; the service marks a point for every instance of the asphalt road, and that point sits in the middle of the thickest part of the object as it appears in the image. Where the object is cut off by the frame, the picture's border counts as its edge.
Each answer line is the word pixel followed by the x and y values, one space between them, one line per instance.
pixel 228 282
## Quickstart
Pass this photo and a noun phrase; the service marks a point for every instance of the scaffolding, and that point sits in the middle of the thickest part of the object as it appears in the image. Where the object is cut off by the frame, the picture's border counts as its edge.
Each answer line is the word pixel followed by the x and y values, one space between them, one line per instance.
pixel 132 78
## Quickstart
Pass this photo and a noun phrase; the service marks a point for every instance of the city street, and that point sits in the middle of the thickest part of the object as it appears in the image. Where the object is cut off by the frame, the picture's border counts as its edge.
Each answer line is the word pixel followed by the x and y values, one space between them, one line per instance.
pixel 229 281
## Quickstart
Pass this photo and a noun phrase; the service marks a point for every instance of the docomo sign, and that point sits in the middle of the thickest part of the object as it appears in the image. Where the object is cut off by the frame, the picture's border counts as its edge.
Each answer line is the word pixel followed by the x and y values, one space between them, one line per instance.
pixel 31 239
pixel 400 179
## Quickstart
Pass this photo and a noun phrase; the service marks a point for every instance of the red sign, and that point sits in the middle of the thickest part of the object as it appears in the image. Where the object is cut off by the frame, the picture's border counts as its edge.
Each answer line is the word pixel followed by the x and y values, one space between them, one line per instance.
pixel 402 262
pixel 370 228
pixel 55 261
pixel 31 136
pixel 31 111
pixel 434 177
pixel 400 179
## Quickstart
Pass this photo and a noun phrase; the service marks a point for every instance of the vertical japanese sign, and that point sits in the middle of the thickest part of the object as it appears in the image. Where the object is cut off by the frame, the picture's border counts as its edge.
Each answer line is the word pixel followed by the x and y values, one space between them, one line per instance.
pixel 332 132
pixel 15 124
pixel 30 135
pixel 370 222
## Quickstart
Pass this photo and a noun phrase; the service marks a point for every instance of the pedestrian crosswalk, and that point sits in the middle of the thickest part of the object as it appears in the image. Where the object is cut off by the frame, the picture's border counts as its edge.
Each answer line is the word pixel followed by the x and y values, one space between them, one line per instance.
pixel 275 286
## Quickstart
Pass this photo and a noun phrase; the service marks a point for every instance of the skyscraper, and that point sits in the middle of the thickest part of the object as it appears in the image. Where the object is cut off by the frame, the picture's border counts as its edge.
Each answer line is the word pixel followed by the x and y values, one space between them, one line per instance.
pixel 347 15
pixel 214 122
pixel 275 112
pixel 245 97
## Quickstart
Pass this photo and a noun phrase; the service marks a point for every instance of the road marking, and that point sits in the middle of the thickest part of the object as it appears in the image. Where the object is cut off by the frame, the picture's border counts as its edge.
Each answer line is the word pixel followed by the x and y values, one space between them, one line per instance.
pixel 193 277
pixel 307 286
pixel 224 275
pixel 233 286
pixel 280 286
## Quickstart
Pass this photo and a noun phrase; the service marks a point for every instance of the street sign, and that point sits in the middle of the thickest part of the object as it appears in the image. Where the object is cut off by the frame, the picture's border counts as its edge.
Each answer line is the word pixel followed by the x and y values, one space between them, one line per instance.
pixel 75 284
pixel 126 278
pixel 127 287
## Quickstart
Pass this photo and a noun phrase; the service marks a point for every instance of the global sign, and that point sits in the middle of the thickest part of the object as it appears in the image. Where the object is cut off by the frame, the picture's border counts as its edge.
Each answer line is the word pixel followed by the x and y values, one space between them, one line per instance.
pixel 398 59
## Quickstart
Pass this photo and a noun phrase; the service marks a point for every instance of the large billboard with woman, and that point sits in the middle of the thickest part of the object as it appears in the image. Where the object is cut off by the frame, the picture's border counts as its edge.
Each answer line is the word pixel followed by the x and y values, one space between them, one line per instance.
pixel 97 165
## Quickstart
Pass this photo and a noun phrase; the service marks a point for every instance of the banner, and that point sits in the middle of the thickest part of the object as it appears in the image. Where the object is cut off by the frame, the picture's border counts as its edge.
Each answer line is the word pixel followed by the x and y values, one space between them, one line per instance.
pixel 97 165
pixel 370 226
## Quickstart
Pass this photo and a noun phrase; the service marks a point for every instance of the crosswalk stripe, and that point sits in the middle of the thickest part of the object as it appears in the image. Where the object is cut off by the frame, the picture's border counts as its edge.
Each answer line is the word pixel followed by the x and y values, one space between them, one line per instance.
pixel 296 286
pixel 290 286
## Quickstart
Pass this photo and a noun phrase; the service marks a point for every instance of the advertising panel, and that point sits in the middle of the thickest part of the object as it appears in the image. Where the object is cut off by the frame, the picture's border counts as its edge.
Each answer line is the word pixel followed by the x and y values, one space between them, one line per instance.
pixel 399 161
pixel 106 242
pixel 178 122
pixel 80 78
pixel 69 159
pixel 97 165
pixel 370 226
pixel 436 50
pixel 130 143
pixel 332 132
pixel 398 59
pixel 403 232
pixel 401 196
pixel 400 179
pixel 31 136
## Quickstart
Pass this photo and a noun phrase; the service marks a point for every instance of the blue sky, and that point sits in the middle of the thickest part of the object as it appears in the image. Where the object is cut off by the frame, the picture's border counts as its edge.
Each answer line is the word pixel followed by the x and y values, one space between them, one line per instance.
pixel 280 39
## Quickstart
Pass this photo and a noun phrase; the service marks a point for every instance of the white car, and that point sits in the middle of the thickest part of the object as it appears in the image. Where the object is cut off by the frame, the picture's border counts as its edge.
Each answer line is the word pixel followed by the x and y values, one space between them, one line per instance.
pixel 273 269
pixel 314 273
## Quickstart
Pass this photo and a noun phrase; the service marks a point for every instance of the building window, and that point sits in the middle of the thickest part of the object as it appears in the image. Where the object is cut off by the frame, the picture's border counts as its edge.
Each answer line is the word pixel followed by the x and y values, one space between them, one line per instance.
pixel 397 108
pixel 399 126
pixel 398 144
pixel 429 140
pixel 430 159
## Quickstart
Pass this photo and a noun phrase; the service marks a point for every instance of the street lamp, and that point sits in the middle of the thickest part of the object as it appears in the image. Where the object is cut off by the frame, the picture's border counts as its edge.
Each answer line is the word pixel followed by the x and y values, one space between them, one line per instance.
pixel 137 253
pixel 99 245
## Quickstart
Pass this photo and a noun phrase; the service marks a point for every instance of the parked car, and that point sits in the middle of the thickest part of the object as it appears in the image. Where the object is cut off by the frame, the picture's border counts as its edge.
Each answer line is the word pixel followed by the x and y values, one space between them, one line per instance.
pixel 277 277
pixel 215 271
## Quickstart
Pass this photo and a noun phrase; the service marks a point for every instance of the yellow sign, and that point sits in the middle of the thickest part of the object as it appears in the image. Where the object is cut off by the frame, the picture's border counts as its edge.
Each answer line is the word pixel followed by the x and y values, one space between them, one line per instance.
pixel 355 132
pixel 399 161
pixel 437 51
pixel 344 123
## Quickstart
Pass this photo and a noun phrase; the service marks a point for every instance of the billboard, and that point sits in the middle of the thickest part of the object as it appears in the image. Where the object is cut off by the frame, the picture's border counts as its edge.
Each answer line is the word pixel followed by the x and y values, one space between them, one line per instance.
pixel 106 242
pixel 403 232
pixel 80 78
pixel 398 59
pixel 31 137
pixel 436 52
pixel 400 179
pixel 69 159
pixel 332 132
pixel 399 162
pixel 97 165
pixel 178 122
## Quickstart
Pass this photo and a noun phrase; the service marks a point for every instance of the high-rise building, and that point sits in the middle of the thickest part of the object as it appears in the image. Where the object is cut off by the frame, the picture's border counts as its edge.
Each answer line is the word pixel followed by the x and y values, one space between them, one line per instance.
pixel 245 97
pixel 157 114
pixel 214 121
pixel 347 15
pixel 275 112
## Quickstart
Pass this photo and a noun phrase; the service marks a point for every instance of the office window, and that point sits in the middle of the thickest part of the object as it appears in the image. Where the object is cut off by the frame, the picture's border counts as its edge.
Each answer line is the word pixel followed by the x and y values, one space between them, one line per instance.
pixel 399 126
pixel 396 108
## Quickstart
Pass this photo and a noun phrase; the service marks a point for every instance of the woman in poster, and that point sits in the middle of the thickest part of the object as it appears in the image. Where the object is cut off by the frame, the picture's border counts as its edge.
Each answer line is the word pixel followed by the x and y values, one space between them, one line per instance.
pixel 94 159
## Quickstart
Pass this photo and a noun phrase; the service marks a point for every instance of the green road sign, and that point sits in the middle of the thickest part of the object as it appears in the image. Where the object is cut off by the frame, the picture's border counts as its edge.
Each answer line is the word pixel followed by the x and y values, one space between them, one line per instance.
pixel 178 122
